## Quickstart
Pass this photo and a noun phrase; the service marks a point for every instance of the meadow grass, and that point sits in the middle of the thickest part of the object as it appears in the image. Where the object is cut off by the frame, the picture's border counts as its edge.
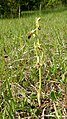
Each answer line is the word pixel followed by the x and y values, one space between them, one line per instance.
pixel 19 77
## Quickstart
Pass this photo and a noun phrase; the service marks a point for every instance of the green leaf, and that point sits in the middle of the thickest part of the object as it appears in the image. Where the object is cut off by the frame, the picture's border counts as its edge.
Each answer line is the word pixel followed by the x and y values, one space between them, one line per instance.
pixel 52 94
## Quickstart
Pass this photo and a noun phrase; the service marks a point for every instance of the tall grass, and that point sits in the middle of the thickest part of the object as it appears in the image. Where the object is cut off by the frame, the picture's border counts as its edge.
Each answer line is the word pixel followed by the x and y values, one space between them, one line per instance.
pixel 19 77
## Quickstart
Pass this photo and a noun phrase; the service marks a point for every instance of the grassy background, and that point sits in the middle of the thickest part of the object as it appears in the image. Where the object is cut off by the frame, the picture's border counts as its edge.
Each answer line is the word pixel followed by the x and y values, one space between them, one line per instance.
pixel 18 73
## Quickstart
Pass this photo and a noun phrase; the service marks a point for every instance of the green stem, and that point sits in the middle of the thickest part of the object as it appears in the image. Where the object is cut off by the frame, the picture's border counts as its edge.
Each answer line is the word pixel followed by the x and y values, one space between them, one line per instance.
pixel 39 90
pixel 40 78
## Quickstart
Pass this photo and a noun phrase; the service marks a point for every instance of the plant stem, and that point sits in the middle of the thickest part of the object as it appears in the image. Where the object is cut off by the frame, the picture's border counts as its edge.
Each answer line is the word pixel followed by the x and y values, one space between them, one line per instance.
pixel 39 90
pixel 40 78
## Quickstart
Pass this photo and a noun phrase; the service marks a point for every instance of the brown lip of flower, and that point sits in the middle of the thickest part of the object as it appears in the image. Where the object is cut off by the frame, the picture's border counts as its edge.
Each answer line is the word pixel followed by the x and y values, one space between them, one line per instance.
pixel 32 32
pixel 29 35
